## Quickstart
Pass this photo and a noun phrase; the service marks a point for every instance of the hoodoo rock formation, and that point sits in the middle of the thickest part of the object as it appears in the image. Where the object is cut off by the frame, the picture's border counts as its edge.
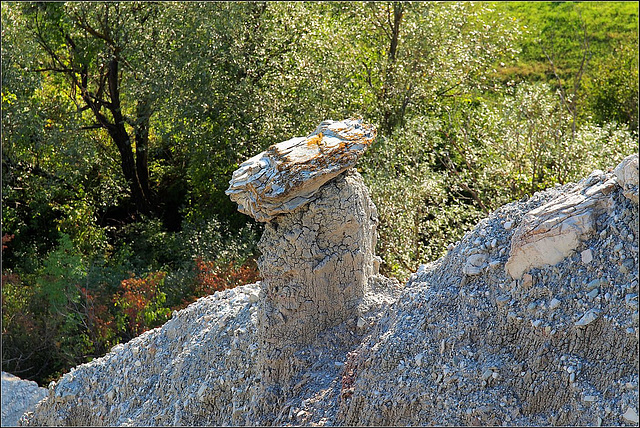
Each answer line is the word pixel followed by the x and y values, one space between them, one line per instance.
pixel 317 248
pixel 531 319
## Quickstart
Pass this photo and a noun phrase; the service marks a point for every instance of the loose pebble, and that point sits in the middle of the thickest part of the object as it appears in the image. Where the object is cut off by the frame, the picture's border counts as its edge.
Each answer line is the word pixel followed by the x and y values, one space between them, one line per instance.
pixel 589 317
pixel 630 415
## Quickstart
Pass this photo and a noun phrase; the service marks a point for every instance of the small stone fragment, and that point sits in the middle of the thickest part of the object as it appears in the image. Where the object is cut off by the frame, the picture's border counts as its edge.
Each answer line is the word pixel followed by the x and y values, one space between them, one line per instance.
pixel 254 297
pixel 486 374
pixel 631 415
pixel 587 256
pixel 554 303
pixel 590 316
pixel 592 284
pixel 631 300
pixel 475 264
pixel 502 300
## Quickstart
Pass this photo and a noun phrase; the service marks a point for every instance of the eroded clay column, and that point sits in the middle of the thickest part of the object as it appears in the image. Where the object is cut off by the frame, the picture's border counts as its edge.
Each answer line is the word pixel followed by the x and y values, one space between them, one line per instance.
pixel 318 244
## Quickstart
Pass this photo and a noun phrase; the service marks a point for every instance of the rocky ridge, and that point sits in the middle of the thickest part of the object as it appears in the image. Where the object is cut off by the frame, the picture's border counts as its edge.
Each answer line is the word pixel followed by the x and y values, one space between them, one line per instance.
pixel 474 346
pixel 18 396
pixel 465 342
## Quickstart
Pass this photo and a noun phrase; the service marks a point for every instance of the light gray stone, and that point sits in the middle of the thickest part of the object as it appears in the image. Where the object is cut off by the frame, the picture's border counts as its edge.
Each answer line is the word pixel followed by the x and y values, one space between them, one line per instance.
pixel 627 176
pixel 475 264
pixel 590 316
pixel 630 415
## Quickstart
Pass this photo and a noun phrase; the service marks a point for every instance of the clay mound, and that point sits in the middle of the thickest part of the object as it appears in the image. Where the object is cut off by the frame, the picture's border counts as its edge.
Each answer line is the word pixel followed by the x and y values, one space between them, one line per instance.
pixel 194 370
pixel 466 344
pixel 463 343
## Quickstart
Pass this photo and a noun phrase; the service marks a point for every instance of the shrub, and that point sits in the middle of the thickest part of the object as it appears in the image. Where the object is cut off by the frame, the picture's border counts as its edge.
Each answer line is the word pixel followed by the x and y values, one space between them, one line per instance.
pixel 212 276
pixel 140 304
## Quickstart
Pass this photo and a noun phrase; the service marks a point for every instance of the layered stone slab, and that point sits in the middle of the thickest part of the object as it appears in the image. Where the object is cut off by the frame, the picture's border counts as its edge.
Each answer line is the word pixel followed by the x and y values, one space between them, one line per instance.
pixel 288 174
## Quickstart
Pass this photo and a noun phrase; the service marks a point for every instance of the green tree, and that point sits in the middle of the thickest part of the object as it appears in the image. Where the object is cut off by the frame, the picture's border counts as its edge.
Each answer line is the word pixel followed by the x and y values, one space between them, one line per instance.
pixel 100 49
pixel 411 56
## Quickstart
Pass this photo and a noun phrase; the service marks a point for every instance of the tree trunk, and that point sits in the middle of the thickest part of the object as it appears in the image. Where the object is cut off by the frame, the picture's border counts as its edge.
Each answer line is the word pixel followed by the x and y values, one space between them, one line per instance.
pixel 134 165
pixel 143 114
pixel 391 115
pixel 122 140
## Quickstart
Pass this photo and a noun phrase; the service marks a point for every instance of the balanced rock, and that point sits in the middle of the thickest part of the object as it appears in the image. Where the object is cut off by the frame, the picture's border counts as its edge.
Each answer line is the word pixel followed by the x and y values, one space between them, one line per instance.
pixel 288 174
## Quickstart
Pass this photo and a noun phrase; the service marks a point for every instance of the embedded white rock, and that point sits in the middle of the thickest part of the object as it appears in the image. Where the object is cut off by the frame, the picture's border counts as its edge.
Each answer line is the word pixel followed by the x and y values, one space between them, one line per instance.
pixel 548 234
pixel 288 174
pixel 627 176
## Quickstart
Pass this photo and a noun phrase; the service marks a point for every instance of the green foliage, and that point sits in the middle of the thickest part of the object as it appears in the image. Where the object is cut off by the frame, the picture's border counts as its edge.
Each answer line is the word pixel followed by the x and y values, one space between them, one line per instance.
pixel 589 49
pixel 612 89
pixel 437 178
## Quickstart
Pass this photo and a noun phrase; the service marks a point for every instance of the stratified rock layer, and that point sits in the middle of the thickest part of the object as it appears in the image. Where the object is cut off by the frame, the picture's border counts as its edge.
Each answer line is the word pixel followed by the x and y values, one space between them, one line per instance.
pixel 288 174
pixel 467 345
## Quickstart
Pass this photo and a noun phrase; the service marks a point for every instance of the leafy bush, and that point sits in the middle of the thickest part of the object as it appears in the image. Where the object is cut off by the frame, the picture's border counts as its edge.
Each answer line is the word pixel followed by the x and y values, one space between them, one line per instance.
pixel 140 304
pixel 212 277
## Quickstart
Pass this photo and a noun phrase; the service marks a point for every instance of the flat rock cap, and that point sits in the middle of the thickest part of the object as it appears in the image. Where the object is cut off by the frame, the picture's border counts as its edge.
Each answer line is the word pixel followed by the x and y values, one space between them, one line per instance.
pixel 288 174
